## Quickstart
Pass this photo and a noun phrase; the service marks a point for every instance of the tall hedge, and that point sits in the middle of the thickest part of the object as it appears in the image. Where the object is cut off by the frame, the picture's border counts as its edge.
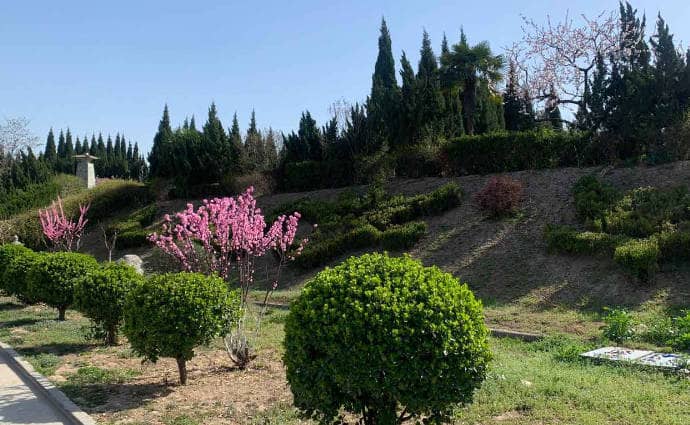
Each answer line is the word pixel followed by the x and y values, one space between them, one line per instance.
pixel 515 151
pixel 377 336
pixel 52 278
pixel 171 314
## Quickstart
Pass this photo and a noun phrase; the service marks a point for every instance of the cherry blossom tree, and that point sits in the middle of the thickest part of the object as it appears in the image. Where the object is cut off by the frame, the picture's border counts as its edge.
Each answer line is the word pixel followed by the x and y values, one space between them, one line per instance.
pixel 226 236
pixel 561 55
pixel 63 232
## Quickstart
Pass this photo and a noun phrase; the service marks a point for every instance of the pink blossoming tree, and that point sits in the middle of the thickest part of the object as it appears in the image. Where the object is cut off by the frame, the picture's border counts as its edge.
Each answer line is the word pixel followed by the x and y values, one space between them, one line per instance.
pixel 63 232
pixel 226 236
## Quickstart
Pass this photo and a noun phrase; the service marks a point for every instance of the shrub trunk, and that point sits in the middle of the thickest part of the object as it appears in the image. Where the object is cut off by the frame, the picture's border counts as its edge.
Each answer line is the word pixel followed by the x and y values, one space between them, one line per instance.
pixel 182 367
pixel 61 313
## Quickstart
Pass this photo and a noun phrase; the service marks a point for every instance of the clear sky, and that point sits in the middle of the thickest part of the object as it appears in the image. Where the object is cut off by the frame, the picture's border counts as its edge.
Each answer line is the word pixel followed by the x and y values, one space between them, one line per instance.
pixel 111 66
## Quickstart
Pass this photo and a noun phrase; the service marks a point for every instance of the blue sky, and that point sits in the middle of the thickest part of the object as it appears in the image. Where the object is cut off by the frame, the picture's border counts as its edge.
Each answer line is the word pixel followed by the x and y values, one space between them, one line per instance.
pixel 111 66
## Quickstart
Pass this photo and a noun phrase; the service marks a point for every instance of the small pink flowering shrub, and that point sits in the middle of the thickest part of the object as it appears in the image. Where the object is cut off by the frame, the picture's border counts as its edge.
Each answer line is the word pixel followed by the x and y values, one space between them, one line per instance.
pixel 63 232
pixel 225 236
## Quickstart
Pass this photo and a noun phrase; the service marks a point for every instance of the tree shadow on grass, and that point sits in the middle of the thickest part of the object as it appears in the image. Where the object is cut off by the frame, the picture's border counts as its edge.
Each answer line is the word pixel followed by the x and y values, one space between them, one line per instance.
pixel 18 322
pixel 58 348
pixel 114 397
pixel 7 306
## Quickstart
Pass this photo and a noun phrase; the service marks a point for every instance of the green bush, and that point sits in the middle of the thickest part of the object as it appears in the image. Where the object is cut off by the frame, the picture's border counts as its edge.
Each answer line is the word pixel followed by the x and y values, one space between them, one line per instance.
pixel 515 151
pixel 405 236
pixel 378 335
pixel 681 341
pixel 593 198
pixel 100 296
pixel 53 277
pixel 418 161
pixel 7 253
pixel 310 175
pixel 319 252
pixel 171 314
pixel 620 326
pixel 639 257
pixel 15 269
pixel 674 245
pixel 565 239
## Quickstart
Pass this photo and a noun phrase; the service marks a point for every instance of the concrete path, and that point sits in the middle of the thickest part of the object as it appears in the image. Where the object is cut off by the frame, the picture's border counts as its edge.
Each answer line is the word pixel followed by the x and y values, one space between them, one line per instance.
pixel 19 403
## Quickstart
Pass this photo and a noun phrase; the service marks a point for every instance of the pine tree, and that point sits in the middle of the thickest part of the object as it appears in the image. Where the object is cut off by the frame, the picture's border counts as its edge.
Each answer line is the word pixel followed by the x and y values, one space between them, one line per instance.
pixel 77 146
pixel 253 146
pixel 383 103
pixel 93 148
pixel 69 162
pixel 552 113
pixel 61 148
pixel 271 150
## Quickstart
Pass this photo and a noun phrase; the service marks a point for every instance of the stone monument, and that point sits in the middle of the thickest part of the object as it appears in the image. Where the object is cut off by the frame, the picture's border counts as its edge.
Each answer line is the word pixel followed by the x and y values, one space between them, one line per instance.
pixel 85 169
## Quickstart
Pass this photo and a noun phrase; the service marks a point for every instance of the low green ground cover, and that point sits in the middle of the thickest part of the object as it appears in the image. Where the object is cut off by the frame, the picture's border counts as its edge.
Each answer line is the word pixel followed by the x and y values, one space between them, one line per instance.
pixel 641 229
pixel 356 222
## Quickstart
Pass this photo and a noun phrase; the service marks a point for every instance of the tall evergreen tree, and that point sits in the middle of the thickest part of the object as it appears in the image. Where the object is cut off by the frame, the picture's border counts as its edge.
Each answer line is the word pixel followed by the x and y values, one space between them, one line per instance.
pixel 668 69
pixel 241 163
pixel 159 157
pixel 408 103
pixel 50 151
pixel 310 136
pixel 215 145
pixel 383 103
pixel 512 101
pixel 430 105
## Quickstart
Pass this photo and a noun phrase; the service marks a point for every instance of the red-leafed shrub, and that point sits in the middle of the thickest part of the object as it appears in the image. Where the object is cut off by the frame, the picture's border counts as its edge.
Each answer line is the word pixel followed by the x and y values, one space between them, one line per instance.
pixel 500 196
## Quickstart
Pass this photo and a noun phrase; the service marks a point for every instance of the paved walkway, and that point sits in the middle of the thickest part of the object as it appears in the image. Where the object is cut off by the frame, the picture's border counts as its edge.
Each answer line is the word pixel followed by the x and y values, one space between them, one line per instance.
pixel 19 404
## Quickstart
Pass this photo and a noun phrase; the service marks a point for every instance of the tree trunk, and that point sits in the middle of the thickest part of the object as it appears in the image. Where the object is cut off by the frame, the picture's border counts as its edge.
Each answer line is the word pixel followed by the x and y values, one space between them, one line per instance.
pixel 61 313
pixel 182 367
pixel 111 336
pixel 468 105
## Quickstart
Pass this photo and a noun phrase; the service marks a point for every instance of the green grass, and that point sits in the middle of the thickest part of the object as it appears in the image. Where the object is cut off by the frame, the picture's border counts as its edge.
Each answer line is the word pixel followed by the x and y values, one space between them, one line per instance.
pixel 527 383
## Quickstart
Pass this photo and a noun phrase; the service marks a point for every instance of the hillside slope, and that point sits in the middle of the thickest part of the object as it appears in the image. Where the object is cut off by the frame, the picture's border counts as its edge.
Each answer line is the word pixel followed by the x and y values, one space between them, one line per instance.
pixel 505 261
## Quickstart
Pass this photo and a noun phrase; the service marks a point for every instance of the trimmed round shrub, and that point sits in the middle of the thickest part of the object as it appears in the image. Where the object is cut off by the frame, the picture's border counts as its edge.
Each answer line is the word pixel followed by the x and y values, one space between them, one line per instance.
pixel 53 277
pixel 15 272
pixel 7 253
pixel 377 336
pixel 101 295
pixel 171 314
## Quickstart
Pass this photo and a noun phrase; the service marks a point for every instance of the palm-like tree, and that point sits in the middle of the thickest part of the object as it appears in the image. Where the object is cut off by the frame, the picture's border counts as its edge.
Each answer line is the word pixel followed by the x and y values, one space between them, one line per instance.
pixel 466 66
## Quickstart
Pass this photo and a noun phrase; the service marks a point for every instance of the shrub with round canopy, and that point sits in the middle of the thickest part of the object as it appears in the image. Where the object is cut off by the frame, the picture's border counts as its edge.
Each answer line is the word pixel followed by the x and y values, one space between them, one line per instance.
pixel 15 262
pixel 386 339
pixel 171 314
pixel 100 296
pixel 52 278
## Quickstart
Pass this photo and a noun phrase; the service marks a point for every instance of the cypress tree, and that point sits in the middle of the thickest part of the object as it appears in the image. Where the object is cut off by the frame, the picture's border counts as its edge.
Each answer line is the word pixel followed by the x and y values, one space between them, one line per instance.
pixel 61 146
pixel 310 137
pixel 512 103
pixel 50 152
pixel 159 157
pixel 668 68
pixel 383 103
pixel 69 163
pixel 408 104
pixel 77 146
pixel 241 162
pixel 430 107
pixel 93 148
pixel 215 145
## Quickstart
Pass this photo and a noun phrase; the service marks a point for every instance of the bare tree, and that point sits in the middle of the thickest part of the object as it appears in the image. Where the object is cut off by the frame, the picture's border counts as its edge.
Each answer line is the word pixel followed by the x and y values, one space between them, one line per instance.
pixel 110 241
pixel 16 136
pixel 560 56
pixel 340 109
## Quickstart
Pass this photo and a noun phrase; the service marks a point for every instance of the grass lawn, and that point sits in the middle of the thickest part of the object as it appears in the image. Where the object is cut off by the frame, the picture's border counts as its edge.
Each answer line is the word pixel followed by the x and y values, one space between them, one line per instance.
pixel 528 383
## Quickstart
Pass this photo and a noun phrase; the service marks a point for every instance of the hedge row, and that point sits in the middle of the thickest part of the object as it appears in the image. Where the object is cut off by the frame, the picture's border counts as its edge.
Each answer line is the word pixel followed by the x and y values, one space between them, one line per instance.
pixel 395 238
pixel 515 151
pixel 106 198
pixel 131 232
pixel 36 195
pixel 568 240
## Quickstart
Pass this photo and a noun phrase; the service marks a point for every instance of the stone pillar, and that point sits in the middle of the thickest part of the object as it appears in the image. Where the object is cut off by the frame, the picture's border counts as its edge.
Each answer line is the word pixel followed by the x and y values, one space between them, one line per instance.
pixel 85 169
